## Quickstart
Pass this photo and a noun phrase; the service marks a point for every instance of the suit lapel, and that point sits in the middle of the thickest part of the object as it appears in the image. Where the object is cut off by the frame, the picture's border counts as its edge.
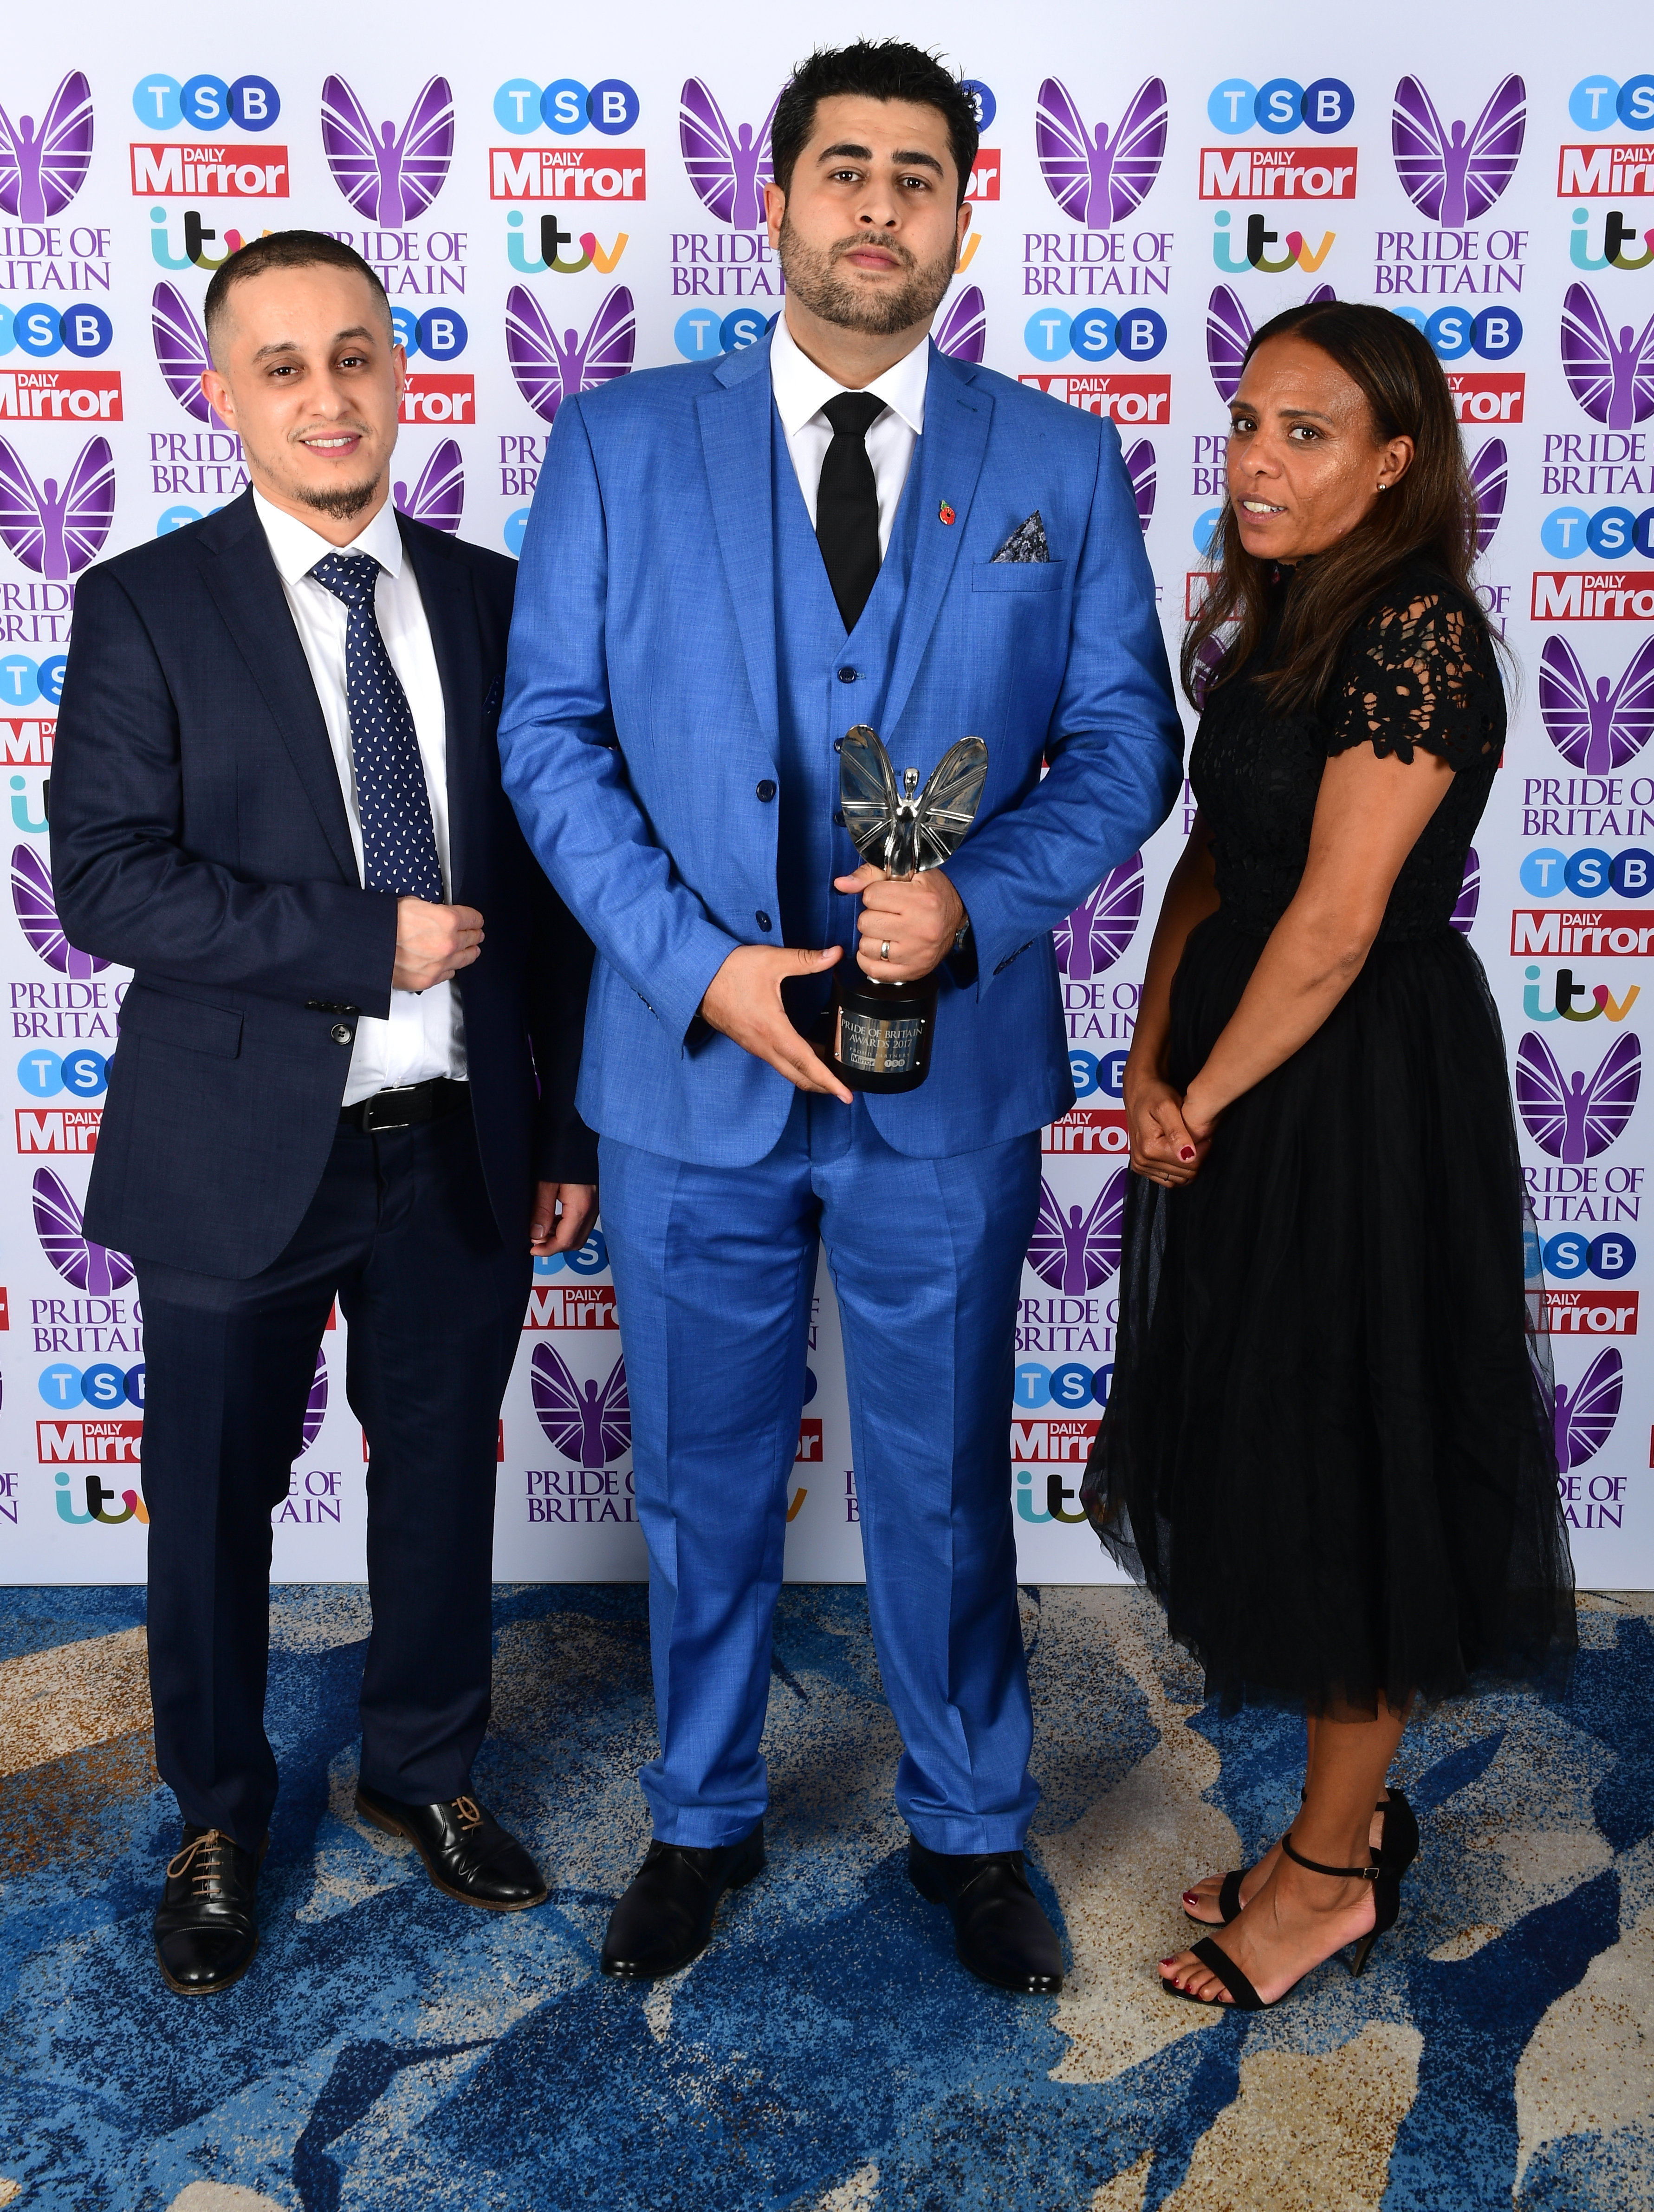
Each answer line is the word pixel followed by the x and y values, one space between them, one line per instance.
pixel 946 467
pixel 244 582
pixel 734 440
pixel 450 603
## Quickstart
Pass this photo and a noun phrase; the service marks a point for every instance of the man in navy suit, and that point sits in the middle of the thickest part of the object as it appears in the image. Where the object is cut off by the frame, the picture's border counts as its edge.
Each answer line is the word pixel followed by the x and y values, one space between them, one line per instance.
pixel 346 1068
pixel 727 567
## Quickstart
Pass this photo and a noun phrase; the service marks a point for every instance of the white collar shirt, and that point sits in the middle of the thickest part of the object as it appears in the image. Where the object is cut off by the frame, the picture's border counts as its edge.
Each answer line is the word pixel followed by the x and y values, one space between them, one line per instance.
pixel 425 1035
pixel 802 391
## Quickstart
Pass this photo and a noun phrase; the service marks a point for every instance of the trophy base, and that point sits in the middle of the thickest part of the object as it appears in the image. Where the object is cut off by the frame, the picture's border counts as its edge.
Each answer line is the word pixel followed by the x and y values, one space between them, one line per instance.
pixel 878 1035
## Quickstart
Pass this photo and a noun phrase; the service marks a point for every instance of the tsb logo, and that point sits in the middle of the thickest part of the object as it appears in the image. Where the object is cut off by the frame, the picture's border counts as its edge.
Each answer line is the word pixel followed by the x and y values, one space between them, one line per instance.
pixel 205 103
pixel 1281 107
pixel 1096 335
pixel 566 106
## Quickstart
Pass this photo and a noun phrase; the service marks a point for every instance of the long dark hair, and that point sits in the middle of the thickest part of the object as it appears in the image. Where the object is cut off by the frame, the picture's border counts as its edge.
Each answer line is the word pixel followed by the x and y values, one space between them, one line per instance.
pixel 1431 512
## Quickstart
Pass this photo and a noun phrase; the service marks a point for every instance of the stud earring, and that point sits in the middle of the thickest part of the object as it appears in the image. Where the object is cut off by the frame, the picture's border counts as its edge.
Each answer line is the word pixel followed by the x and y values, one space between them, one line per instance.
pixel 1382 486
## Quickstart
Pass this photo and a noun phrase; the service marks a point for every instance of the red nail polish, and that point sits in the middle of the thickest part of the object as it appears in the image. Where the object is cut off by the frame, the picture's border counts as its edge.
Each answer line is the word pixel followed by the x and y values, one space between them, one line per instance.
pixel 1187 1153
pixel 1169 1962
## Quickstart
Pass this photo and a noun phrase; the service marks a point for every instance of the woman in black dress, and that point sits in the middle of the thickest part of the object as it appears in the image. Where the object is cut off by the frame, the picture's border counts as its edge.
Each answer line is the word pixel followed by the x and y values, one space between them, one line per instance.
pixel 1328 1443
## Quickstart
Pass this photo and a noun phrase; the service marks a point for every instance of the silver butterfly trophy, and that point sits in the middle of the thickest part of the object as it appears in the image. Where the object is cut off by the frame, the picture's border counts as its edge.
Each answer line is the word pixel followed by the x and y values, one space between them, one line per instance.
pixel 881 1033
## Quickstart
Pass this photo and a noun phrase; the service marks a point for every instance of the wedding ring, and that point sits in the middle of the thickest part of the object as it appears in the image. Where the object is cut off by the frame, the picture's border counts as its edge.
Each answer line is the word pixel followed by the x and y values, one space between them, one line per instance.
pixel 884 949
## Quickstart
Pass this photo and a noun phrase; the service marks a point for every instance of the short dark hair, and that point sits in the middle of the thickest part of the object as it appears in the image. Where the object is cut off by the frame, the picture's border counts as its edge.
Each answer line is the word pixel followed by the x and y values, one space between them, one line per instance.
pixel 883 69
pixel 282 249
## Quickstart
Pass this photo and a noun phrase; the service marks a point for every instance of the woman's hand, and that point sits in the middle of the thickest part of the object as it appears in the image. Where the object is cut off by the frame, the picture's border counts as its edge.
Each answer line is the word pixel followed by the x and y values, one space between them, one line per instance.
pixel 1164 1147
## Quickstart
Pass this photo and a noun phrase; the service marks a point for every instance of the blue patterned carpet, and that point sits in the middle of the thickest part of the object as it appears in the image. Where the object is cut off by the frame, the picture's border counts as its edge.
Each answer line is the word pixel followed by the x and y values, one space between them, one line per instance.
pixel 392 2050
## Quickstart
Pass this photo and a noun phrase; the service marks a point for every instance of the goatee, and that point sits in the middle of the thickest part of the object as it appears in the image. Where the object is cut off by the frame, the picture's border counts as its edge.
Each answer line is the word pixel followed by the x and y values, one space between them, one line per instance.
pixel 812 274
pixel 342 500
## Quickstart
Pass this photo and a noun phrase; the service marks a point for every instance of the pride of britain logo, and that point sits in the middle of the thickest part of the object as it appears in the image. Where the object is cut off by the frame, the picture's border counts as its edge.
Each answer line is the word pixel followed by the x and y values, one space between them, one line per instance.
pixel 1452 172
pixel 1093 938
pixel 1095 176
pixel 589 1423
pixel 1610 372
pixel 550 368
pixel 1076 1249
pixel 42 168
pixel 389 176
pixel 729 166
pixel 1574 1118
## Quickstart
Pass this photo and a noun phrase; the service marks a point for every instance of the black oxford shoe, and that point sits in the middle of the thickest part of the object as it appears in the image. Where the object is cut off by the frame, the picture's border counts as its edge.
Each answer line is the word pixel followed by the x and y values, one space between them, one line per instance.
pixel 999 1931
pixel 665 1918
pixel 467 1854
pixel 206 1923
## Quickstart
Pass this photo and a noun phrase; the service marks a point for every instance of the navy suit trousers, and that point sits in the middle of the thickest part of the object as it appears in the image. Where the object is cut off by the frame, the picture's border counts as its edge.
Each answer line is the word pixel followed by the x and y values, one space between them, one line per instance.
pixel 401 1232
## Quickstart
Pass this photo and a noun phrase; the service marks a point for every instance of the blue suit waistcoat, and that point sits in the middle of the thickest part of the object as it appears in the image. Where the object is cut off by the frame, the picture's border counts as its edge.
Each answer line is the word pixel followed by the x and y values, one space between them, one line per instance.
pixel 654 684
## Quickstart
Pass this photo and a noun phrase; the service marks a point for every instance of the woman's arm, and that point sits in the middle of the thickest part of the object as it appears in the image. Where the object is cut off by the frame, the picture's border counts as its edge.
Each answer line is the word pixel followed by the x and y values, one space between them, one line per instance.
pixel 1370 814
pixel 1157 1136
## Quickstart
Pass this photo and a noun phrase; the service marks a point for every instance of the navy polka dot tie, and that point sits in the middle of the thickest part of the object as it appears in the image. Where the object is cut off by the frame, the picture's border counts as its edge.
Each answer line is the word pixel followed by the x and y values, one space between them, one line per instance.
pixel 399 844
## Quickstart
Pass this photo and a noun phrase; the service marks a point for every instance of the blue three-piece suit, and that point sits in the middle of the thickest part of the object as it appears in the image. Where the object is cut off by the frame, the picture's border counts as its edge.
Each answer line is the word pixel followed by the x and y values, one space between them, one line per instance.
pixel 678 677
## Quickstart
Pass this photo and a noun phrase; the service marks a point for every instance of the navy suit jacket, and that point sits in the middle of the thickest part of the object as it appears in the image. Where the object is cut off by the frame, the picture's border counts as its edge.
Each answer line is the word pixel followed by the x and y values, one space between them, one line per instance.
pixel 640 733
pixel 199 838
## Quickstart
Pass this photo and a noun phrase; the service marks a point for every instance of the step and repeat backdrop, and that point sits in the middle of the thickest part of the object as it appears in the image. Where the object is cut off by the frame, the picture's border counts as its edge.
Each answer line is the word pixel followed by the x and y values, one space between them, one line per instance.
pixel 549 212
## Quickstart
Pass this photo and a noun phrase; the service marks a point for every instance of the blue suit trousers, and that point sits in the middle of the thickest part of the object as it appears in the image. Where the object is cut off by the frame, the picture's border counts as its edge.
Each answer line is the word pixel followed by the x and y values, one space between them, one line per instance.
pixel 714 1270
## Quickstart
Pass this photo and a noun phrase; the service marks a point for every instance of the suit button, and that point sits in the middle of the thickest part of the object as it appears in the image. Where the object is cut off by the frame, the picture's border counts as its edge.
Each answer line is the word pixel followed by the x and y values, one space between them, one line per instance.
pixel 847 675
pixel 839 817
pixel 767 790
pixel 342 1034
pixel 764 921
pixel 838 745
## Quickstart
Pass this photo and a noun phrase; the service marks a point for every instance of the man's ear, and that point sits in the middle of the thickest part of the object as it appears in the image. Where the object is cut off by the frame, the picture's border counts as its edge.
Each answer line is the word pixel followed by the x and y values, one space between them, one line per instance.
pixel 964 224
pixel 775 210
pixel 217 394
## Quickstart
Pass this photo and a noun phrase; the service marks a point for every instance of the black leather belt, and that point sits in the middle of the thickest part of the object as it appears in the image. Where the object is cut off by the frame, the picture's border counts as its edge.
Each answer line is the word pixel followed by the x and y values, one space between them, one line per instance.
pixel 433 1101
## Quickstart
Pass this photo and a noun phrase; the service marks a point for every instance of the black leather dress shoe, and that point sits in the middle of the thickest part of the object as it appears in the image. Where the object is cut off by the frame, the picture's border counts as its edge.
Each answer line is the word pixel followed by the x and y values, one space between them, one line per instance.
pixel 999 1931
pixel 466 1852
pixel 206 1923
pixel 665 1918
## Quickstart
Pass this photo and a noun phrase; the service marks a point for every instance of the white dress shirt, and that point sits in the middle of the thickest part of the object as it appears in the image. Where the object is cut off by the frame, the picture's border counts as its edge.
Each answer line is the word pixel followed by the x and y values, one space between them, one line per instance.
pixel 426 1033
pixel 802 391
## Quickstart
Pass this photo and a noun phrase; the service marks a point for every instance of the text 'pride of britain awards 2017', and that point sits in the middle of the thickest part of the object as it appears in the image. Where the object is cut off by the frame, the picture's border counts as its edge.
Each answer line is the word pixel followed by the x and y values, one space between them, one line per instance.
pixel 550 213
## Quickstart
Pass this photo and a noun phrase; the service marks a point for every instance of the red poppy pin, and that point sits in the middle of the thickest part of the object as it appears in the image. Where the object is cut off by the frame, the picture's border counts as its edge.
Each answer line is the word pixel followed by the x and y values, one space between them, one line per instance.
pixel 945 512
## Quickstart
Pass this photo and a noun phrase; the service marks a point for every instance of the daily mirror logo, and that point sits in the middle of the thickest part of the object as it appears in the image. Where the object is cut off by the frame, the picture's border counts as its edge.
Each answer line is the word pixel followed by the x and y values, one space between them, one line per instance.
pixel 1278 173
pixel 567 173
pixel 163 171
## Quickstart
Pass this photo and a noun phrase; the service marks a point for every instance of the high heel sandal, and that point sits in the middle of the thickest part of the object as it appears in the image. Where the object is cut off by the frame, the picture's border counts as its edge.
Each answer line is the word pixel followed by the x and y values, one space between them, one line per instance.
pixel 1399 1848
pixel 1387 1904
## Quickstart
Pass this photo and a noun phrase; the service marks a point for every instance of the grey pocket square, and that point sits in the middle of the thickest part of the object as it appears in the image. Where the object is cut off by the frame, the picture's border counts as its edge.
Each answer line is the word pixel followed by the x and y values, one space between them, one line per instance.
pixel 1026 542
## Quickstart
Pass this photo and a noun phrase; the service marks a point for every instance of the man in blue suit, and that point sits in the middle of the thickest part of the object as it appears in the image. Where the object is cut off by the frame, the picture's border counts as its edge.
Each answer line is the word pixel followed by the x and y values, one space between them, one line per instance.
pixel 725 568
pixel 346 1068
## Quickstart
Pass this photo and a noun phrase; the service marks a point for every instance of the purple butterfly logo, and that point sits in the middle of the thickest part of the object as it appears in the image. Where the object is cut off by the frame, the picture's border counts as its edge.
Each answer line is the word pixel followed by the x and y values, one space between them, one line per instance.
pixel 439 497
pixel 315 1404
pixel 1140 467
pixel 37 917
pixel 1469 897
pixel 964 333
pixel 590 1425
pixel 1208 657
pixel 389 176
pixel 728 168
pixel 1612 378
pixel 1452 176
pixel 1576 1118
pixel 1097 178
pixel 181 353
pixel 41 171
pixel 548 370
pixel 1229 332
pixel 89 1266
pixel 1078 1251
pixel 1489 477
pixel 1099 929
pixel 1585 1415
pixel 1597 730
pixel 56 532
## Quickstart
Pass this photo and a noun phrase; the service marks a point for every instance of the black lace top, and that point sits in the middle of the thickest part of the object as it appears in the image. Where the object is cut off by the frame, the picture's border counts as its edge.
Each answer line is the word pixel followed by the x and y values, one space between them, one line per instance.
pixel 1418 669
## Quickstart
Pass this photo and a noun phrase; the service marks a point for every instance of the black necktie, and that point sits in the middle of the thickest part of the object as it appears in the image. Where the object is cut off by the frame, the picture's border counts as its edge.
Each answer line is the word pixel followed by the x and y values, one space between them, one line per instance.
pixel 847 504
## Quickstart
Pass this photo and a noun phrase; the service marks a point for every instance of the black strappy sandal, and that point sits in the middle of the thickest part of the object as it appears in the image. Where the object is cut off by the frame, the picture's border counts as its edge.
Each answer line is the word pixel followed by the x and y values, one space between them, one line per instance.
pixel 1398 1849
pixel 1386 1900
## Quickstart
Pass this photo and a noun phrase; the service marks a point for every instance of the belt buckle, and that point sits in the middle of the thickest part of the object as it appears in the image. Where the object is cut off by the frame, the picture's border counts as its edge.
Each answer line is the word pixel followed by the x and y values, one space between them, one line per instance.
pixel 371 1122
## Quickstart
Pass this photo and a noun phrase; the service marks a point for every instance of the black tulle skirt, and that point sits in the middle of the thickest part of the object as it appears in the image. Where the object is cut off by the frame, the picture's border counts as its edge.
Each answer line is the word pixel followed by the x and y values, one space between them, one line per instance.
pixel 1328 1445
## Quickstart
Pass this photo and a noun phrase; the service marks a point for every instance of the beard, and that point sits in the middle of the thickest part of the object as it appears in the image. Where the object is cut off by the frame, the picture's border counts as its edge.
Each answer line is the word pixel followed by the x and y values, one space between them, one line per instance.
pixel 339 501
pixel 811 273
